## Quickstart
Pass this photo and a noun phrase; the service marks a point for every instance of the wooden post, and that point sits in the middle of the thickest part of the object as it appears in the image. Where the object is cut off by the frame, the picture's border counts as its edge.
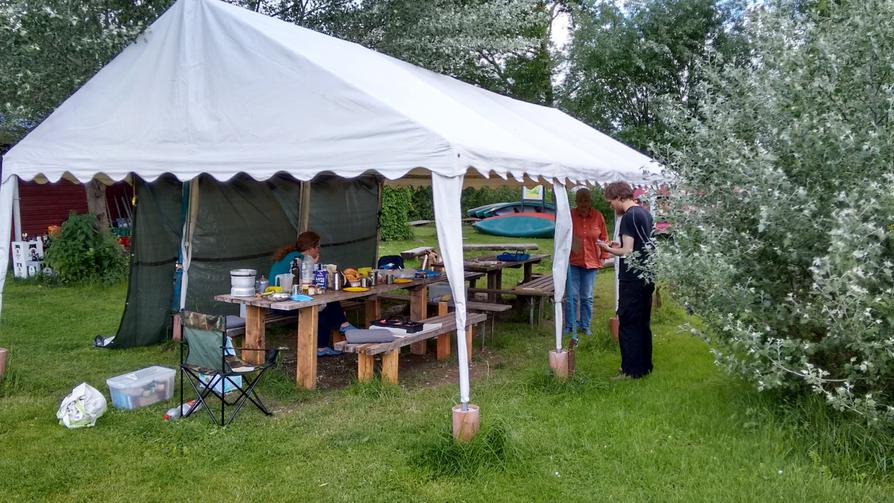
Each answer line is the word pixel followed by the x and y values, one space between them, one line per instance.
pixel 466 423
pixel 614 327
pixel 365 365
pixel 176 328
pixel 3 354
pixel 560 362
pixel 469 331
pixel 418 312
pixel 371 310
pixel 96 202
pixel 306 348
pixel 389 366
pixel 254 334
pixel 443 345
pixel 336 336
pixel 528 269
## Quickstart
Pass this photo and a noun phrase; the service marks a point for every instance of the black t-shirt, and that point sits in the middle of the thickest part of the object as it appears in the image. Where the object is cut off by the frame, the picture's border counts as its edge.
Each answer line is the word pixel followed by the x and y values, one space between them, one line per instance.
pixel 636 222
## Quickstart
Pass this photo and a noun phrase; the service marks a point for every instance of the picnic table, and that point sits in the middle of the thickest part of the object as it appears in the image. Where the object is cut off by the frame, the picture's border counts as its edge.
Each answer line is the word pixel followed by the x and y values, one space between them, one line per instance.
pixel 256 309
pixel 489 265
pixel 422 250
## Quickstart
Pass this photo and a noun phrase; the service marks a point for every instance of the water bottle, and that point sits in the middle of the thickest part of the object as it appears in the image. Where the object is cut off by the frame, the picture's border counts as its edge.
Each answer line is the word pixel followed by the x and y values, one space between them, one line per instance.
pixel 307 272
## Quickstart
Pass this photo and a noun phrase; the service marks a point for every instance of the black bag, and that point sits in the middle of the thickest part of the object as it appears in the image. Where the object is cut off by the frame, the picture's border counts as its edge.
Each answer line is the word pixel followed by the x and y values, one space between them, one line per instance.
pixel 411 327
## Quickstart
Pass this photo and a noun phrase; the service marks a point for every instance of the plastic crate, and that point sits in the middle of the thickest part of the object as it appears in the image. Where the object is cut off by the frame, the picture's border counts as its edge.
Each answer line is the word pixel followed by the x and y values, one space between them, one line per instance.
pixel 141 388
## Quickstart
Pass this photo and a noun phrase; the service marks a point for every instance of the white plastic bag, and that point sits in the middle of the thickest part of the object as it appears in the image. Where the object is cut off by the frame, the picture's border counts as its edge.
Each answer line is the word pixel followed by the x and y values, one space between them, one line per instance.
pixel 81 407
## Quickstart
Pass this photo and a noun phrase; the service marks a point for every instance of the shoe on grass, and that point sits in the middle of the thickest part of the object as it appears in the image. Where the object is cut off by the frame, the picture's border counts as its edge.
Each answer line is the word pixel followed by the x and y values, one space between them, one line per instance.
pixel 327 351
pixel 621 376
pixel 573 343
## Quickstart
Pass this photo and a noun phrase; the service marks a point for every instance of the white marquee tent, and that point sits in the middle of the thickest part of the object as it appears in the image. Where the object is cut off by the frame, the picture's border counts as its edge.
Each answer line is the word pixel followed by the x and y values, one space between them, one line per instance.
pixel 215 89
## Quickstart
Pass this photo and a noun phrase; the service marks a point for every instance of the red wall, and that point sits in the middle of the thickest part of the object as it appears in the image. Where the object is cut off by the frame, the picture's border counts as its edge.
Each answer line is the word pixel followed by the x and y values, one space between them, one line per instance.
pixel 48 204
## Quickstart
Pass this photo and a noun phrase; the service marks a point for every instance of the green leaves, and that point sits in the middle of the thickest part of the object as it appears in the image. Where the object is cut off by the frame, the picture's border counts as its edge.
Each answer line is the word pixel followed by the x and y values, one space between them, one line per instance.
pixel 82 253
pixel 784 194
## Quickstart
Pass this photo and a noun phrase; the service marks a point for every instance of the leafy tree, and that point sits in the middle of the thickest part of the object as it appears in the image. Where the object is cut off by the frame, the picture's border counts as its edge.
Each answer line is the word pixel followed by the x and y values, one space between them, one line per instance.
pixel 49 48
pixel 623 59
pixel 784 210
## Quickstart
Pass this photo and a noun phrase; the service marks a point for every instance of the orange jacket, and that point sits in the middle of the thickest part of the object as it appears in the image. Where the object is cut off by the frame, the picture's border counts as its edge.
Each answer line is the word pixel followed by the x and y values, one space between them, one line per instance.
pixel 585 231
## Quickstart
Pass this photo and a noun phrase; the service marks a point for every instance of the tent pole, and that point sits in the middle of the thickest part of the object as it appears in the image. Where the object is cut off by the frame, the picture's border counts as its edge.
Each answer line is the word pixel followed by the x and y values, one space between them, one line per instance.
pixel 446 195
pixel 379 212
pixel 17 213
pixel 560 363
pixel 303 207
pixel 186 244
pixel 7 192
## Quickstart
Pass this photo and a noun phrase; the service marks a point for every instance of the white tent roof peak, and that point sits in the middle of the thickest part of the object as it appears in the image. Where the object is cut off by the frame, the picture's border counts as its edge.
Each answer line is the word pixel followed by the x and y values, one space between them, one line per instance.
pixel 218 89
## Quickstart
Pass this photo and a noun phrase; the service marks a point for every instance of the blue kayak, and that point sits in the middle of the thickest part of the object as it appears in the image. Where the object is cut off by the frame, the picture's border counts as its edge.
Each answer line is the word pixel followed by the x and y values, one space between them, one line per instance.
pixel 522 225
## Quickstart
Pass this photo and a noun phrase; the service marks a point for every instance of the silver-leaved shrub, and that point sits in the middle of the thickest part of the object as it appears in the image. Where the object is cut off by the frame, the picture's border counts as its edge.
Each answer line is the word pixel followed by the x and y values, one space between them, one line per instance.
pixel 783 213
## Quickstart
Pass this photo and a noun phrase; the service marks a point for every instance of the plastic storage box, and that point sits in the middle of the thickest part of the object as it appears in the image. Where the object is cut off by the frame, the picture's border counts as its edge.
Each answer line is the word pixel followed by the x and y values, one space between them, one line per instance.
pixel 143 387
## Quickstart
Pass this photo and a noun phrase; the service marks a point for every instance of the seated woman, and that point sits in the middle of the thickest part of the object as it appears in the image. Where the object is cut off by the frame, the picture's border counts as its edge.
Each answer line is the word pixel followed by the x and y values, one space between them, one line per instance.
pixel 307 247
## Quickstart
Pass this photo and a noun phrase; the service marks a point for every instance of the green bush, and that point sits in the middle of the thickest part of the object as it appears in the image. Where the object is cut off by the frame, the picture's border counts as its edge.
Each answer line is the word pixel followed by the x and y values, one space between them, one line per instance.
pixel 396 204
pixel 784 203
pixel 84 253
pixel 423 204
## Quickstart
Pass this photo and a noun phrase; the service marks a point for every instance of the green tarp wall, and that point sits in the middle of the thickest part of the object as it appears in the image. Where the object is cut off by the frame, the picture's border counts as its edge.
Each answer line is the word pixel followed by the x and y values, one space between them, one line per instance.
pixel 239 224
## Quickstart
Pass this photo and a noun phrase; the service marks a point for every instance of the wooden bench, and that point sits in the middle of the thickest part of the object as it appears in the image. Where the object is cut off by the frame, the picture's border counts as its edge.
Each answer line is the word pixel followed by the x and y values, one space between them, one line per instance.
pixel 415 252
pixel 488 308
pixel 390 351
pixel 541 288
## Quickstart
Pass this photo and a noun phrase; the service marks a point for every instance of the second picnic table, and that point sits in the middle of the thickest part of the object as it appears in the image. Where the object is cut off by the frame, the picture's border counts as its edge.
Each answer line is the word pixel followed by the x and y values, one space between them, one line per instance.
pixel 494 269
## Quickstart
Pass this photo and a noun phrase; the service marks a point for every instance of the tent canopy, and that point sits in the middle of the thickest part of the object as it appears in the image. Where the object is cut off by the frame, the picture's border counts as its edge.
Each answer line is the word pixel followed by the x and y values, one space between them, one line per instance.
pixel 217 89
pixel 213 89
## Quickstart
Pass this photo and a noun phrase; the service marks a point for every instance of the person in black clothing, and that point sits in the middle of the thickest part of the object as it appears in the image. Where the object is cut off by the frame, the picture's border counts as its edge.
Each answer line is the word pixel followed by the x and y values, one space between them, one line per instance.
pixel 634 292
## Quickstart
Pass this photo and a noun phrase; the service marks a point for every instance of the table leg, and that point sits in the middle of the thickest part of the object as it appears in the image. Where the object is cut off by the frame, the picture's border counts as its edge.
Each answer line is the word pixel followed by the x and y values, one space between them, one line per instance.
pixel 529 266
pixel 306 349
pixel 469 333
pixel 418 312
pixel 254 334
pixel 498 284
pixel 443 345
pixel 371 310
pixel 492 285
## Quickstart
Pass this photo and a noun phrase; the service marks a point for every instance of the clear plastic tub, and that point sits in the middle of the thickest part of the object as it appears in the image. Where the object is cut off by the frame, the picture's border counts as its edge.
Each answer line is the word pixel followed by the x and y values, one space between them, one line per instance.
pixel 143 387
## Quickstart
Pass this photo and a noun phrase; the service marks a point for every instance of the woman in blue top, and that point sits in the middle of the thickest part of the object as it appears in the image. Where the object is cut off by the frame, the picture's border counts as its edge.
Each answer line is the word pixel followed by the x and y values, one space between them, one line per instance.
pixel 307 247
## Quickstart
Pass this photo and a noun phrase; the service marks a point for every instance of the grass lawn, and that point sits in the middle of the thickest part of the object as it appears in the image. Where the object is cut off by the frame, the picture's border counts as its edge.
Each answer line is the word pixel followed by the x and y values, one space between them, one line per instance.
pixel 687 432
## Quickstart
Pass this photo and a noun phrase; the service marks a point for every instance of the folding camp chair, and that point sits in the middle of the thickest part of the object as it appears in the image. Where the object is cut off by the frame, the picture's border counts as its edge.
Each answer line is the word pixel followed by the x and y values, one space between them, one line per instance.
pixel 210 363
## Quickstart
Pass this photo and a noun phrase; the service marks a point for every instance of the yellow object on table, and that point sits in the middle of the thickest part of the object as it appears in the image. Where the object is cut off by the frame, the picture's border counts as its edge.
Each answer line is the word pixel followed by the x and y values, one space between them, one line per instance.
pixel 273 289
pixel 364 271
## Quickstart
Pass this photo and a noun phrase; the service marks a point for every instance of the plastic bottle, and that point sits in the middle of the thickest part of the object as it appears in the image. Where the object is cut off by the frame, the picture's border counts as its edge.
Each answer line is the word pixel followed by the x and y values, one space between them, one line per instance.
pixel 307 272
pixel 176 412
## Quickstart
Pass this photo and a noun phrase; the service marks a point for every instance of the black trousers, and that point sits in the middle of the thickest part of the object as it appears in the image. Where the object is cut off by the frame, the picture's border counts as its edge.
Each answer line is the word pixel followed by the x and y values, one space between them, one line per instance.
pixel 635 331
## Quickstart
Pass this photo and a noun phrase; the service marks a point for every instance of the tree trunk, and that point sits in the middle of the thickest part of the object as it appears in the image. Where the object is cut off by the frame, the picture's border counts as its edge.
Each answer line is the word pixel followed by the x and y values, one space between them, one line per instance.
pixel 96 202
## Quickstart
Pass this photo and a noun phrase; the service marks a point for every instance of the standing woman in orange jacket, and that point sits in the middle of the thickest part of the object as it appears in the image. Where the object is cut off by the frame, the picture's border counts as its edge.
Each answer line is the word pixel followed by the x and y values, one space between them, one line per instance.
pixel 588 227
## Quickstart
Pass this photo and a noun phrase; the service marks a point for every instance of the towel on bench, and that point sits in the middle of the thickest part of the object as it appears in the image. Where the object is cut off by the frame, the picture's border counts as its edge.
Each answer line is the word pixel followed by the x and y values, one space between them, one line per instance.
pixel 364 335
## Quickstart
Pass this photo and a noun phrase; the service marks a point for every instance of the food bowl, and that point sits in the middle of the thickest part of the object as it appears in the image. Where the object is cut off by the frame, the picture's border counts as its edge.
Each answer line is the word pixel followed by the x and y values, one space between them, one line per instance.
pixel 278 297
pixel 405 273
pixel 354 283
